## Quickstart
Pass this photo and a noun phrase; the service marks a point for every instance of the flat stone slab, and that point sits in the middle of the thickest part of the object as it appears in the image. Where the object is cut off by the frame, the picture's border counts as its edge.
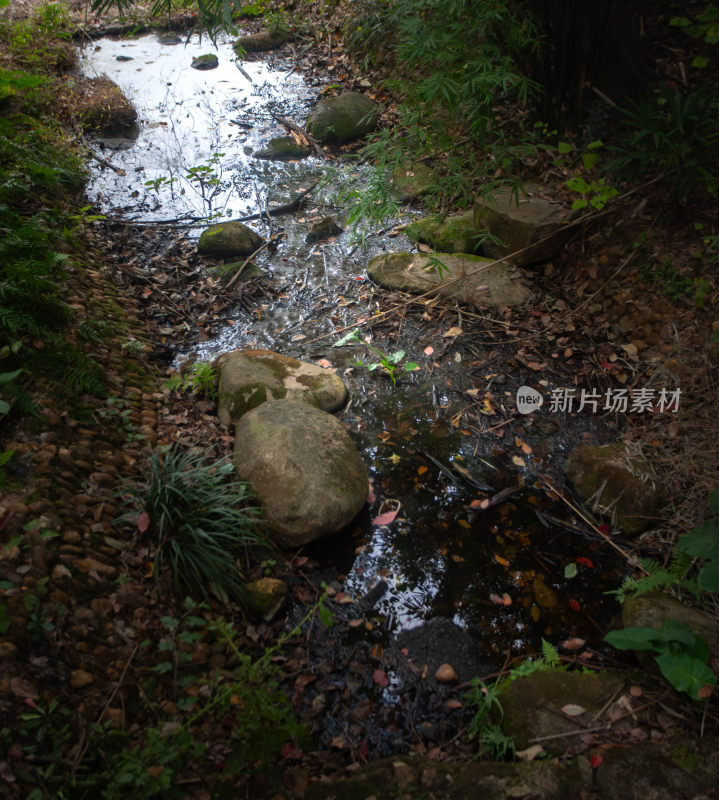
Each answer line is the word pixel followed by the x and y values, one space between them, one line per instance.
pixel 303 466
pixel 250 377
pixel 282 148
pixel 519 225
pixel 464 278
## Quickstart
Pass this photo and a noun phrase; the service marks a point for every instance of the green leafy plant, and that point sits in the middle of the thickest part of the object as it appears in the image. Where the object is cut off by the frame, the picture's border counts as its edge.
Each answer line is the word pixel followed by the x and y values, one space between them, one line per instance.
pixel 389 363
pixel 200 379
pixel 680 654
pixel 705 25
pixel 492 740
pixel 701 543
pixel 668 136
pixel 200 518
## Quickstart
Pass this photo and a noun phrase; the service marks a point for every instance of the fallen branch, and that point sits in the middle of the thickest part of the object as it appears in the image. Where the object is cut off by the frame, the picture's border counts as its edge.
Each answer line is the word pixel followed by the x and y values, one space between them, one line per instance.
pixel 311 141
pixel 286 208
pixel 249 258
pixel 105 163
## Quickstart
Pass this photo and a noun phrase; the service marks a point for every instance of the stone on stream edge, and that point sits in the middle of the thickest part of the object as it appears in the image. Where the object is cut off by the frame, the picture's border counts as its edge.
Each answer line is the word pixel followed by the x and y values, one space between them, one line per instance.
pixel 322 229
pixel 206 61
pixel 413 272
pixel 628 493
pixel 302 465
pixel 532 704
pixel 228 239
pixel 457 233
pixel 412 180
pixel 264 40
pixel 282 148
pixel 265 596
pixel 341 119
pixel 102 107
pixel 247 378
pixel 523 224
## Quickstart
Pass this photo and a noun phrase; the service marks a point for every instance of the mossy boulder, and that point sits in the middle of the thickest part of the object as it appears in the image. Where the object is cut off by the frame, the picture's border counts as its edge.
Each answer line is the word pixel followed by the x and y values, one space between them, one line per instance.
pixel 457 233
pixel 102 107
pixel 261 41
pixel 464 278
pixel 521 221
pixel 228 239
pixel 412 180
pixel 206 61
pixel 532 704
pixel 282 148
pixel 620 482
pixel 322 229
pixel 302 465
pixel 247 378
pixel 342 119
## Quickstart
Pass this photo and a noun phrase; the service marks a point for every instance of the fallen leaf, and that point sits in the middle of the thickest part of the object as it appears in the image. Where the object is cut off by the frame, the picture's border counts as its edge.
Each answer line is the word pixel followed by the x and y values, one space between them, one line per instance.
pixel 573 710
pixel 421 470
pixel 585 562
pixel 428 351
pixel 479 503
pixel 570 571
pixel 502 561
pixel 379 676
pixel 518 461
pixel 574 644
pixel 630 349
pixel 454 331
pixel 143 521
pixel 574 605
pixel 595 760
pixel 386 518
pixel 635 691
pixel 503 600
pixel 323 362
pixel 530 753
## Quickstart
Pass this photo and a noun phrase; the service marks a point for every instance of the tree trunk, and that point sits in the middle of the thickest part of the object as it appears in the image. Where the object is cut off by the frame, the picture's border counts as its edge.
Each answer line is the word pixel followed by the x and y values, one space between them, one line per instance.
pixel 591 49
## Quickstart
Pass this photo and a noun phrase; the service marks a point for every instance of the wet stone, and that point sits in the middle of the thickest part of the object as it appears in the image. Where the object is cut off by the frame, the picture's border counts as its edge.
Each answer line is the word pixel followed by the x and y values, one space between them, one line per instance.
pixel 204 62
pixel 322 229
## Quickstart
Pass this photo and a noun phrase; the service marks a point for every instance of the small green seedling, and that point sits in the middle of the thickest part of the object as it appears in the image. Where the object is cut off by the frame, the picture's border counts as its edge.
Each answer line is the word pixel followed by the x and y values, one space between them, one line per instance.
pixel 389 363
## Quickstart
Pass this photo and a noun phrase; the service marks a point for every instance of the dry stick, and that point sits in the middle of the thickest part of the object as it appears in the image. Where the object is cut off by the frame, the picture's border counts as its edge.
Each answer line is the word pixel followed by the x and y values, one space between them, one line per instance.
pixel 118 684
pixel 596 729
pixel 237 64
pixel 589 217
pixel 631 560
pixel 609 702
pixel 285 208
pixel 287 123
pixel 270 241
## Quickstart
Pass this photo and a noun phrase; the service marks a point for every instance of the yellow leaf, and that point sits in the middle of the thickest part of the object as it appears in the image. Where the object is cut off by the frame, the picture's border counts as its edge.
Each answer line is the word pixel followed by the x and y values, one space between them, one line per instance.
pixel 421 470
pixel 502 561
pixel 395 459
pixel 464 523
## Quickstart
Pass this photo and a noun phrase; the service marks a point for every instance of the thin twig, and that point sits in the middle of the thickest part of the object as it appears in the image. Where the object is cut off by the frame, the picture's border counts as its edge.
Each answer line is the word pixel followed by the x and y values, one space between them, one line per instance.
pixel 270 241
pixel 118 684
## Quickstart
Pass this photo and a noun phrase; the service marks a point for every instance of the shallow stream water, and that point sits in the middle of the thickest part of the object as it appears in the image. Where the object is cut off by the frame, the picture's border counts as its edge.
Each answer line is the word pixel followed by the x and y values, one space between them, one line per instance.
pixel 503 574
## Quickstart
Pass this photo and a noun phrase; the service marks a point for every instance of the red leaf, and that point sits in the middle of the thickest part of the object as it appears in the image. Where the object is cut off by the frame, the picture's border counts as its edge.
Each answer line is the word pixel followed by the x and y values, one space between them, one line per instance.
pixel 290 751
pixel 379 676
pixel 143 522
pixel 585 562
pixel 503 600
pixel 574 605
pixel 604 528
pixel 595 760
pixel 386 518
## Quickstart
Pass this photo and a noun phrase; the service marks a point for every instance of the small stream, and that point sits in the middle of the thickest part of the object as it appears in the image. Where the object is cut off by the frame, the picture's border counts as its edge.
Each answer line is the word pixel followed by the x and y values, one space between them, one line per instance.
pixel 503 574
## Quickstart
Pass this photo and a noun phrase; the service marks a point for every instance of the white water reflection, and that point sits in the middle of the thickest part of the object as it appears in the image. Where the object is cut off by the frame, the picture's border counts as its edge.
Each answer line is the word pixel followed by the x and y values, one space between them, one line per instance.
pixel 197 128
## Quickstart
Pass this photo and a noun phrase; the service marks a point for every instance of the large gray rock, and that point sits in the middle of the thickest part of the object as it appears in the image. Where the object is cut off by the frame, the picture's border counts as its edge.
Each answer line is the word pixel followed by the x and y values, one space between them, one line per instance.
pixel 304 468
pixel 229 239
pixel 481 282
pixel 619 482
pixel 342 119
pixel 247 378
pixel 520 225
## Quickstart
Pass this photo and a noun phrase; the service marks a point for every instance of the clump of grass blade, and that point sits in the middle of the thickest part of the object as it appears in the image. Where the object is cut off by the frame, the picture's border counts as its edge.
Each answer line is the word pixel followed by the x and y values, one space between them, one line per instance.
pixel 201 519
